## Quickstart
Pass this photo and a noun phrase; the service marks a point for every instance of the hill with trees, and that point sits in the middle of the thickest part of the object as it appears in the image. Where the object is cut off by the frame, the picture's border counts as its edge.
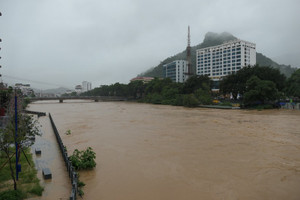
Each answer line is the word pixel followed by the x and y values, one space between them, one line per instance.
pixel 212 39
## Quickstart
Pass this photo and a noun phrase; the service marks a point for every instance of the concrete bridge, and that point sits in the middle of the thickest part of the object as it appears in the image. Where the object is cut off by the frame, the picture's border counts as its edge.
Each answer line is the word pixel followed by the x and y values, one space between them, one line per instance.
pixel 94 98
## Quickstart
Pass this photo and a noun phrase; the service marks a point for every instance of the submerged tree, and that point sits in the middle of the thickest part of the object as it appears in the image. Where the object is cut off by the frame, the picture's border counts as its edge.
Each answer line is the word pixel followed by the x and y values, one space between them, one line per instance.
pixel 83 159
pixel 293 85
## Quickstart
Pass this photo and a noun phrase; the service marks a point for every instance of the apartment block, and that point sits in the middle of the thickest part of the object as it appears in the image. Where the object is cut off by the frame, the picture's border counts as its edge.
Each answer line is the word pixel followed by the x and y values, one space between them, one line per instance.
pixel 176 70
pixel 222 60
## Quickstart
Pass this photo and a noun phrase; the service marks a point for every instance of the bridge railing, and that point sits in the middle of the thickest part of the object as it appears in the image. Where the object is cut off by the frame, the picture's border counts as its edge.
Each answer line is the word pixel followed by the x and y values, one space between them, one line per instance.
pixel 100 98
pixel 72 173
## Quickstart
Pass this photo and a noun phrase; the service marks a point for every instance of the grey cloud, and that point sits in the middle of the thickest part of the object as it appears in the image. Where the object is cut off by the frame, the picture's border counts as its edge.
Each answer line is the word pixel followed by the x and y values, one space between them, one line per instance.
pixel 104 42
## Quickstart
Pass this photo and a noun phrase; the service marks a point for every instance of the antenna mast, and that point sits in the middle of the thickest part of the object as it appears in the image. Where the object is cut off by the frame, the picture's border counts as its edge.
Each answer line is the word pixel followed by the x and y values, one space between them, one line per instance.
pixel 189 37
pixel 189 72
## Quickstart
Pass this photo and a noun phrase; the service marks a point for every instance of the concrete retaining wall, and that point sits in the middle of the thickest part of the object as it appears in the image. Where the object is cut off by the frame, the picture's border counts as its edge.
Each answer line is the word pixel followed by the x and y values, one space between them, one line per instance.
pixel 72 173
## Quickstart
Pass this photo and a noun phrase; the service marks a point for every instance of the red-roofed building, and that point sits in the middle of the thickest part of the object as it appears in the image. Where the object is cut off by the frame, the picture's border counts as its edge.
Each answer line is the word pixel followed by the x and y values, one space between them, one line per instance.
pixel 142 78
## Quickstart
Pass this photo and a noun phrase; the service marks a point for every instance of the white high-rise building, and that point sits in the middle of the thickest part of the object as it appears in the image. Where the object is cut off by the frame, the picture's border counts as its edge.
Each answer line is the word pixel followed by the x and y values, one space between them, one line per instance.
pixel 176 70
pixel 221 60
pixel 86 86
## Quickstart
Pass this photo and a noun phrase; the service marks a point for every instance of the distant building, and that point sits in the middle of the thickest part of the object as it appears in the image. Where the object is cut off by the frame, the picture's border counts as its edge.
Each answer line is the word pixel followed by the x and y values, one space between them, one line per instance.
pixel 69 91
pixel 142 78
pixel 222 60
pixel 78 89
pixel 176 70
pixel 86 86
pixel 25 89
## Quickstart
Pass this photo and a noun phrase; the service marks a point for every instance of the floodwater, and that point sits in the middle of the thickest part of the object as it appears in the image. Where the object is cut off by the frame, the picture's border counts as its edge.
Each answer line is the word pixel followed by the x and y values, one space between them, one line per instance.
pixel 172 153
pixel 59 186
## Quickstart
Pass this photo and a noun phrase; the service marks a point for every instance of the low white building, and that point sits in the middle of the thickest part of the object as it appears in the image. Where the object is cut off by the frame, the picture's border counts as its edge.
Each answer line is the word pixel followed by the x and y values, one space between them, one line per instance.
pixel 78 89
pixel 25 89
pixel 176 70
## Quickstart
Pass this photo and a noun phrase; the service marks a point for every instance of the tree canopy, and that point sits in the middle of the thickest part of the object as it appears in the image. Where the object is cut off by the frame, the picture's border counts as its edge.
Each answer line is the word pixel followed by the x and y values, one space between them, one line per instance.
pixel 236 83
pixel 293 85
pixel 259 91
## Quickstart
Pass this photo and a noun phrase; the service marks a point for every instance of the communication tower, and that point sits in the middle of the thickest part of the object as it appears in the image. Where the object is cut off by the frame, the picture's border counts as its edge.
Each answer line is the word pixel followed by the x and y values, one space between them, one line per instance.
pixel 189 72
pixel 0 56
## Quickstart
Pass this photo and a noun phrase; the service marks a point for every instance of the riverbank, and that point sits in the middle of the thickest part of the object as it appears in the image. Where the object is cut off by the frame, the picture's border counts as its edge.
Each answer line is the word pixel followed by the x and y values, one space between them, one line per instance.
pixel 28 183
pixel 59 187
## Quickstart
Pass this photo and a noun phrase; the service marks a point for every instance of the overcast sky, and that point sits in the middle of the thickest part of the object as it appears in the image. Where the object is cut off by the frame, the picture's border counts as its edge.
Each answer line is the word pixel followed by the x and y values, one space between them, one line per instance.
pixel 64 42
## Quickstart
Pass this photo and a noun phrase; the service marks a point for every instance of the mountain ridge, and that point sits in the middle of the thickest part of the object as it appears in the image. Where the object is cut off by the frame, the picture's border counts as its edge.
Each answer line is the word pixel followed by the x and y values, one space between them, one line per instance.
pixel 59 90
pixel 213 39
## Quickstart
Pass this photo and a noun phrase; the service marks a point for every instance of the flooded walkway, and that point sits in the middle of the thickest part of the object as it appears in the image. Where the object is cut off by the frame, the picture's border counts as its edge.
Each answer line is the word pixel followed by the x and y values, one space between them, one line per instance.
pixel 59 186
pixel 164 152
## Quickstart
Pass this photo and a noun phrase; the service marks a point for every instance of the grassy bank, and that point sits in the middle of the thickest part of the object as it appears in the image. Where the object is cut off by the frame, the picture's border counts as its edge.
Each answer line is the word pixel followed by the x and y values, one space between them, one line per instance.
pixel 28 184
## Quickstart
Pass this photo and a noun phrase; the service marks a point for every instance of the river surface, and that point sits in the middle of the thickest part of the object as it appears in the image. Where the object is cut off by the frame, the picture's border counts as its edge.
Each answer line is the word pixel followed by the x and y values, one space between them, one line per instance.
pixel 157 152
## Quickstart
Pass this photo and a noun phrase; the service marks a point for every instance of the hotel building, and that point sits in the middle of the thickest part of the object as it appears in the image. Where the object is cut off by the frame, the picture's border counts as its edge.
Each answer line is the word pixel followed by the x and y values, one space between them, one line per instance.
pixel 176 70
pixel 222 60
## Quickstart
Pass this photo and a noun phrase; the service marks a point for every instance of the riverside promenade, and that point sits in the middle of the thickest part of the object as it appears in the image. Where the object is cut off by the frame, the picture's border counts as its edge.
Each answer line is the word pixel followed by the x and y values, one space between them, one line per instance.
pixel 59 186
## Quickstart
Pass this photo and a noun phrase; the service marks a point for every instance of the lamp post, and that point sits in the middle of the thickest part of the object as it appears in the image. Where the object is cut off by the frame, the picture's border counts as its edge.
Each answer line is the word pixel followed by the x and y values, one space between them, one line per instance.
pixel 16 134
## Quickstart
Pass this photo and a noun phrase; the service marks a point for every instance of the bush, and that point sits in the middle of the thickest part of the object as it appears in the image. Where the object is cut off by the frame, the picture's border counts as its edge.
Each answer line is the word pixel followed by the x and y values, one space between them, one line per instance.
pixel 225 104
pixel 154 98
pixel 83 159
pixel 68 132
pixel 37 189
pixel 203 96
pixel 190 100
pixel 168 102
pixel 11 195
pixel 179 100
pixel 265 106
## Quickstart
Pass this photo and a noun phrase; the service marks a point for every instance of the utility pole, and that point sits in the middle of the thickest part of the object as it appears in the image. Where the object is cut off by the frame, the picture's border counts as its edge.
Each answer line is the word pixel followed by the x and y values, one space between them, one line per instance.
pixel 0 57
pixel 16 133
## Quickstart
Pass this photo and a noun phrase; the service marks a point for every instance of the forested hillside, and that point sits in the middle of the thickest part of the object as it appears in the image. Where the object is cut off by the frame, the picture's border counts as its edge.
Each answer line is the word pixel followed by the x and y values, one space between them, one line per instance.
pixel 212 39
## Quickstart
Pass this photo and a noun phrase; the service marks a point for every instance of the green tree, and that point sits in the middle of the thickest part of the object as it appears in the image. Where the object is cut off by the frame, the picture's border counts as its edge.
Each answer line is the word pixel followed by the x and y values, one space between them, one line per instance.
pixel 83 159
pixel 156 85
pixel 259 90
pixel 136 89
pixel 293 85
pixel 189 100
pixel 27 128
pixel 196 82
pixel 171 92
pixel 154 98
pixel 118 89
pixel 5 96
pixel 203 96
pixel 236 83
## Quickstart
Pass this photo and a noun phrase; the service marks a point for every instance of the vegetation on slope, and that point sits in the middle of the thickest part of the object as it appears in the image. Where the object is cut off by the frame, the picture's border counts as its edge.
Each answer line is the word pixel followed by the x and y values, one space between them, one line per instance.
pixel 212 39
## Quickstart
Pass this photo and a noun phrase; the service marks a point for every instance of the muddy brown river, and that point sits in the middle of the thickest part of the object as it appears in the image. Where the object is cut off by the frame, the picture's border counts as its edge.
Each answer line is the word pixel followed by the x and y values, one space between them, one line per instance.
pixel 157 152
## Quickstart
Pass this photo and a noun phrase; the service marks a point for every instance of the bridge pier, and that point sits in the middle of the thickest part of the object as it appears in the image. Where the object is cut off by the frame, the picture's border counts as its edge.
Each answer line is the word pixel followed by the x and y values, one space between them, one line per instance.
pixel 61 101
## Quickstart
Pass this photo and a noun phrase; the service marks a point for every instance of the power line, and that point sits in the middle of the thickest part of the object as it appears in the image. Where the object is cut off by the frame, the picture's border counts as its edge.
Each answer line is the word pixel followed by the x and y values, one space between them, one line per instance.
pixel 32 81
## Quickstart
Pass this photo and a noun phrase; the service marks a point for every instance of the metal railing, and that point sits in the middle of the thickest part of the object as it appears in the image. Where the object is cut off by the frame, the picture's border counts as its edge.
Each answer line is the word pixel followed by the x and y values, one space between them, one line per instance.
pixel 291 106
pixel 72 173
pixel 99 98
